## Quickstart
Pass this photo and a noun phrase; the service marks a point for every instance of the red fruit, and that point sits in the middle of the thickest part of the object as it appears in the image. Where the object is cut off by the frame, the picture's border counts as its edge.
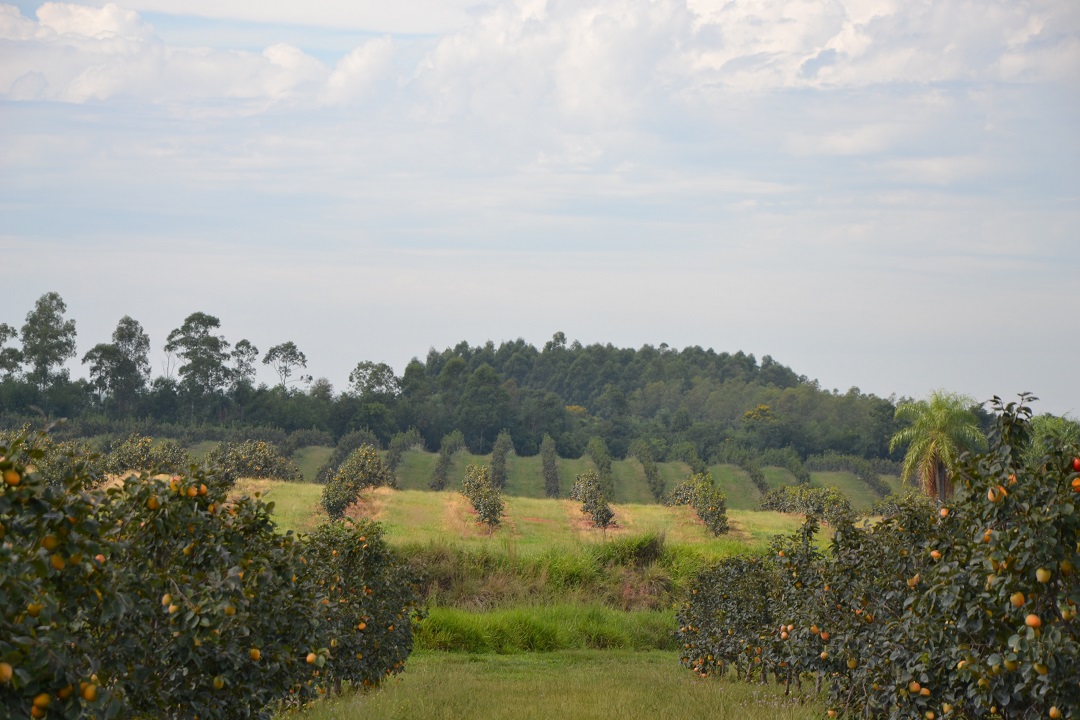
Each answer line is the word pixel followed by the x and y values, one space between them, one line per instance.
pixel 1076 464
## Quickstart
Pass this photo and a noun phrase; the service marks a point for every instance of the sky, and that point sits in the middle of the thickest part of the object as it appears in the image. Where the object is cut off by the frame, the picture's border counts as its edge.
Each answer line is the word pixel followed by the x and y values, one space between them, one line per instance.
pixel 882 194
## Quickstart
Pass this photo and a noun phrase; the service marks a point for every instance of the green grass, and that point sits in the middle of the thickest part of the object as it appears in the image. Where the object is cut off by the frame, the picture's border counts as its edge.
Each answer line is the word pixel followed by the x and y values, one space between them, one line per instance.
pixel 741 493
pixel 544 629
pixel 569 685
pixel 778 477
pixel 310 459
pixel 858 492
pixel 199 450
pixel 296 505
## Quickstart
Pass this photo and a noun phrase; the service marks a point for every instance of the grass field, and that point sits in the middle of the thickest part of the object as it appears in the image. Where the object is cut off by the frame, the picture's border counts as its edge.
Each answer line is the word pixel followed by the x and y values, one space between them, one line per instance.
pixel 569 685
pixel 310 459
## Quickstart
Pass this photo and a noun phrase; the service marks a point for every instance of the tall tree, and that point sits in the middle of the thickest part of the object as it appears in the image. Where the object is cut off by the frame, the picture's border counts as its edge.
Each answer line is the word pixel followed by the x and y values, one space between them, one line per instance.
pixel 121 369
pixel 504 445
pixel 939 430
pixel 10 358
pixel 485 406
pixel 48 340
pixel 550 459
pixel 203 355
pixel 374 381
pixel 244 354
pixel 286 358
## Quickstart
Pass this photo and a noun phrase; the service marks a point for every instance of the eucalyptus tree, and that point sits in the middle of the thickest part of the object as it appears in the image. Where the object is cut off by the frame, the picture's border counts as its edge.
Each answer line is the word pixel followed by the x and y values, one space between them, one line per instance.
pixel 120 370
pixel 48 339
pixel 286 359
pixel 203 355
pixel 10 357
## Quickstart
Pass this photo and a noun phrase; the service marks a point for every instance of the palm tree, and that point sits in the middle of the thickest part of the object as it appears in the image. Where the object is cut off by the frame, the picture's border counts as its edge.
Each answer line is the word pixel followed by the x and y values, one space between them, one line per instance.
pixel 939 430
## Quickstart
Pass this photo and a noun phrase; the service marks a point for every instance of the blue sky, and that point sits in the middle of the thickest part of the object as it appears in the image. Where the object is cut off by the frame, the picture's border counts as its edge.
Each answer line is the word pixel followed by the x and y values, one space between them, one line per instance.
pixel 877 193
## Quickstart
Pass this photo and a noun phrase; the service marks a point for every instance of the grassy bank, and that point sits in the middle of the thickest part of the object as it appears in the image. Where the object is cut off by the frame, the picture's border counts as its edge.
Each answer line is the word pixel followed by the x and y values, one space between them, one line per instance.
pixel 544 629
pixel 569 685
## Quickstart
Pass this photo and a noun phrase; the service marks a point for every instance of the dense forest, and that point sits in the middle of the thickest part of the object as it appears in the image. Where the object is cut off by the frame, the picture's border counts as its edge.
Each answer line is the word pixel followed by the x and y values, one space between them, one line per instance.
pixel 688 403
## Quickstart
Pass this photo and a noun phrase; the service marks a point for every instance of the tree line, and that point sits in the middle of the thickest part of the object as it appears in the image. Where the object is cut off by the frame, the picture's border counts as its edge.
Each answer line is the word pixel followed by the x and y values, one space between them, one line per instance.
pixel 683 404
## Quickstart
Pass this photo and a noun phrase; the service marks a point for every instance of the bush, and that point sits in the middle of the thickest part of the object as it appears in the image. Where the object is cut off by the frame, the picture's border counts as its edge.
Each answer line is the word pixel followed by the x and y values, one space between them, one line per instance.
pixel 827 503
pixel 363 469
pixel 968 610
pixel 142 454
pixel 451 443
pixel 644 454
pixel 399 444
pixel 373 598
pixel 549 459
pixel 589 490
pixel 162 598
pixel 346 446
pixel 299 439
pixel 481 491
pixel 708 501
pixel 251 459
pixel 504 445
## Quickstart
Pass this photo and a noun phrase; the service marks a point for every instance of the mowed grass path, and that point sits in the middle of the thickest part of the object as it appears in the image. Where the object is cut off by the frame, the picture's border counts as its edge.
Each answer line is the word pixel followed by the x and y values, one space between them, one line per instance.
pixel 569 685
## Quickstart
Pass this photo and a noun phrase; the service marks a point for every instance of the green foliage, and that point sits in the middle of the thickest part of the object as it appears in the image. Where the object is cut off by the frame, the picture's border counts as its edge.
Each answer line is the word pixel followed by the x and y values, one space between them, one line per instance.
pixel 789 459
pixel 346 446
pixel 938 431
pixel 162 598
pixel 372 602
pixel 399 444
pixel 709 502
pixel 644 454
pixel 252 459
pixel 48 340
pixel 590 492
pixel 142 454
pixel 598 452
pixel 747 461
pixel 970 609
pixel 451 443
pixel 827 503
pixel 481 491
pixel 363 469
pixel 300 439
pixel 504 445
pixel 549 459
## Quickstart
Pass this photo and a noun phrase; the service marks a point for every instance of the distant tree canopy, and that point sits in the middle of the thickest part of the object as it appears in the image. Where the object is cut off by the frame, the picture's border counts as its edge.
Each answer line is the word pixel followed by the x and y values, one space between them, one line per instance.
pixel 691 404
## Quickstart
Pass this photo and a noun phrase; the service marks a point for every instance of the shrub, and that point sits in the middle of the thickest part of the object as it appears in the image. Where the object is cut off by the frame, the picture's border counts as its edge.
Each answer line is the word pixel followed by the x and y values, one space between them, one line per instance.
pixel 549 459
pixel 709 502
pixel 451 443
pixel 142 454
pixel 827 503
pixel 644 454
pixel 481 491
pixel 162 598
pixel 968 610
pixel 251 459
pixel 298 439
pixel 504 445
pixel 363 469
pixel 373 601
pixel 589 490
pixel 346 446
pixel 401 442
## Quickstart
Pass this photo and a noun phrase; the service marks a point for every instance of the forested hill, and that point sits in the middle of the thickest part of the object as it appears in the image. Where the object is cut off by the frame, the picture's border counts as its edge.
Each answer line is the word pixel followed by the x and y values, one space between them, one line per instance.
pixel 689 404
pixel 669 398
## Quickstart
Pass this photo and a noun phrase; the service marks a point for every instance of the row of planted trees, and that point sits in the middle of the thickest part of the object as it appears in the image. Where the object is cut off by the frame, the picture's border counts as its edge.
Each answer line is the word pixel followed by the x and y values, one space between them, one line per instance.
pixel 966 609
pixel 161 597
